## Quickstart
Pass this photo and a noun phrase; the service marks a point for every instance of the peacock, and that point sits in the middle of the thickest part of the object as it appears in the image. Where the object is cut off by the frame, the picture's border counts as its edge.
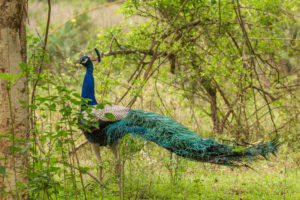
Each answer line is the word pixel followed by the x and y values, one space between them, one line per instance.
pixel 101 130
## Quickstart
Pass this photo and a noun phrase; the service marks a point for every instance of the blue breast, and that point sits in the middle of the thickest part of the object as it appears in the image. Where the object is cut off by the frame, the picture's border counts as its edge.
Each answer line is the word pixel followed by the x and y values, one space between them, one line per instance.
pixel 88 87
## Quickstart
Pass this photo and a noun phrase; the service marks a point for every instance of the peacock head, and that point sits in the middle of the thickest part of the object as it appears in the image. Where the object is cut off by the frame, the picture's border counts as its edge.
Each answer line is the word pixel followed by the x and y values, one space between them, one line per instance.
pixel 85 61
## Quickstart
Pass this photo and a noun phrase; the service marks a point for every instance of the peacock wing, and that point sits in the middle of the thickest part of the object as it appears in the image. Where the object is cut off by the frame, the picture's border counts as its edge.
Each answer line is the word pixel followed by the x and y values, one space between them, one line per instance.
pixel 96 114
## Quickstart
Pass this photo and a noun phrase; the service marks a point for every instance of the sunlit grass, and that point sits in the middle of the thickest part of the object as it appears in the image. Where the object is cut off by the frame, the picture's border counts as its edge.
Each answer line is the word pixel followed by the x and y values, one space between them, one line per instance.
pixel 277 178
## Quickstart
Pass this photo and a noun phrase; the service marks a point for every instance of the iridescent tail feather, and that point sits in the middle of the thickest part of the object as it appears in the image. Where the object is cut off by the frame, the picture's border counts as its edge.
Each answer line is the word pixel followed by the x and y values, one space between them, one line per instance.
pixel 176 138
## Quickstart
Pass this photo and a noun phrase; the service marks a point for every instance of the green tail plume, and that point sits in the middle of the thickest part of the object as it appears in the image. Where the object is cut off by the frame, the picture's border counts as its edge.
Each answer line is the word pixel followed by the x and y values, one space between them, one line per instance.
pixel 176 138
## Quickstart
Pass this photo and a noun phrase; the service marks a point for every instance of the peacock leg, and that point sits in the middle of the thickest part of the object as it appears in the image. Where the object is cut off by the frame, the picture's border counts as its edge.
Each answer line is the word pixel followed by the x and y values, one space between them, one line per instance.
pixel 115 149
pixel 96 150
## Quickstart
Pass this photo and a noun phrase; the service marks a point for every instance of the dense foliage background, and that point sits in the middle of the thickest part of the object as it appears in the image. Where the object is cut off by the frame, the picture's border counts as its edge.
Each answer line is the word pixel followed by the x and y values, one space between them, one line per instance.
pixel 227 69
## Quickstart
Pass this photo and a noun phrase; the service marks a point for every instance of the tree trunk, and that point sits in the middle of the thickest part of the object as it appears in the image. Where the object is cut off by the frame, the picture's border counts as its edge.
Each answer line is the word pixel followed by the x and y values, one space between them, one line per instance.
pixel 212 92
pixel 214 111
pixel 13 115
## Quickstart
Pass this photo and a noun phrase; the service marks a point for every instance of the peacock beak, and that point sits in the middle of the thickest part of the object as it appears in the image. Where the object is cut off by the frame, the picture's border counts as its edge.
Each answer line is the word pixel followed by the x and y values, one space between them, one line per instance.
pixel 77 61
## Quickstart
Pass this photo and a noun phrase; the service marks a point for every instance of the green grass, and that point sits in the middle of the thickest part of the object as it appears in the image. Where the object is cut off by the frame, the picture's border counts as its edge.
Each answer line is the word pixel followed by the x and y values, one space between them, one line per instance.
pixel 151 174
pixel 242 184
pixel 212 185
pixel 277 178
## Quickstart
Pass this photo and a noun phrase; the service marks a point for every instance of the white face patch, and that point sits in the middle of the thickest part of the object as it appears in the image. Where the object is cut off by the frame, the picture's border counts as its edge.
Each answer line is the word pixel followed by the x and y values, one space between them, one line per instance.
pixel 84 61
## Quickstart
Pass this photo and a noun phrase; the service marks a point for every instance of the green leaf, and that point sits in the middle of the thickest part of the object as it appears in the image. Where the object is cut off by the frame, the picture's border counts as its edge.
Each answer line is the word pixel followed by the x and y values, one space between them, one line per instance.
pixel 110 116
pixel 75 102
pixel 23 66
pixel 9 76
pixel 23 102
pixel 2 170
pixel 33 106
pixel 6 76
pixel 100 106
pixel 238 149
pixel 84 169
pixel 18 76
pixel 77 95
pixel 52 107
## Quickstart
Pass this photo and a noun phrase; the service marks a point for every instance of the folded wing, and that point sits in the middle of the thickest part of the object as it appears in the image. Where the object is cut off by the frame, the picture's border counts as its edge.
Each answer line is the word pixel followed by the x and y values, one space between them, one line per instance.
pixel 97 114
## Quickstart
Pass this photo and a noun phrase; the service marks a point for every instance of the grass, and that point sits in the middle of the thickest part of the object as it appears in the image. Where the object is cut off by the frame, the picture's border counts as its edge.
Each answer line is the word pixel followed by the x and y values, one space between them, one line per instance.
pixel 147 177
pixel 152 174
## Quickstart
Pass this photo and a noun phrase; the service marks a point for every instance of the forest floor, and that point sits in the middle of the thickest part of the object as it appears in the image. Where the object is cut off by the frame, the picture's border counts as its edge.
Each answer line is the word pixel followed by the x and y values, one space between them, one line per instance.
pixel 156 176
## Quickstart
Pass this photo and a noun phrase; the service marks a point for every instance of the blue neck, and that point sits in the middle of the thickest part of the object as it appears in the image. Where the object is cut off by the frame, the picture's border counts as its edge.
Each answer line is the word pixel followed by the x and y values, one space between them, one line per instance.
pixel 88 87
